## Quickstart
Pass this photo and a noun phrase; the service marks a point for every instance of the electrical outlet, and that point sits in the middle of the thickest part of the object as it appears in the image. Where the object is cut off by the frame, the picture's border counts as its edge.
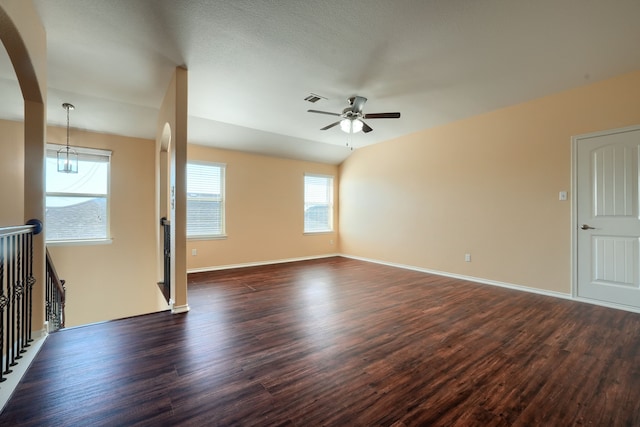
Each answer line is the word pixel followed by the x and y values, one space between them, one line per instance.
pixel 467 257
pixel 194 252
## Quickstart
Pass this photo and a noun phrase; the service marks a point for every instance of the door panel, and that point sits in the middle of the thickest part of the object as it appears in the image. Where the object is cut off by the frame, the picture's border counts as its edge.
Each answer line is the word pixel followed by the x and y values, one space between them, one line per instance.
pixel 614 260
pixel 613 187
pixel 608 248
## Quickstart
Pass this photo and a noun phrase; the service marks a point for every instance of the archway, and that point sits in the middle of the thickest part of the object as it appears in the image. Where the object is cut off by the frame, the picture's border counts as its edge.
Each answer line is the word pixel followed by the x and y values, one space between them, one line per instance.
pixel 24 38
pixel 164 208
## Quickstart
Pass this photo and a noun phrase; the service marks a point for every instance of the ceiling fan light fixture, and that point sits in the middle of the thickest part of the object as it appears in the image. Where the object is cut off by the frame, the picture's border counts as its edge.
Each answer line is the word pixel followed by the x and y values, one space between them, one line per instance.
pixel 351 125
pixel 357 125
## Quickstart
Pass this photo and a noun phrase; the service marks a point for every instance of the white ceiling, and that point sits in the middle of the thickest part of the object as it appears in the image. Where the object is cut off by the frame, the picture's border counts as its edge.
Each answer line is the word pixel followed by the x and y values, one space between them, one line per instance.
pixel 252 62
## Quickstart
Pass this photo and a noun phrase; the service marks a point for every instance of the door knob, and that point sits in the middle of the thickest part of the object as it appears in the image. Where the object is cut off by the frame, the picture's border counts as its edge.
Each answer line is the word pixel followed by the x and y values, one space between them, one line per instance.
pixel 587 227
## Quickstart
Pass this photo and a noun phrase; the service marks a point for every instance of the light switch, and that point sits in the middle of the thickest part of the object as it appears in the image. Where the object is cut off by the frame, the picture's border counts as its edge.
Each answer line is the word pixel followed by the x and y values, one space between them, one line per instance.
pixel 562 195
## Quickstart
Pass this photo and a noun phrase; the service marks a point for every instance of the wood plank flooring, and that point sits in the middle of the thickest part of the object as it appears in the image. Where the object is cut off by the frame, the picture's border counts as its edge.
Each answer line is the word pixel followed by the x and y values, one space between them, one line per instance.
pixel 340 342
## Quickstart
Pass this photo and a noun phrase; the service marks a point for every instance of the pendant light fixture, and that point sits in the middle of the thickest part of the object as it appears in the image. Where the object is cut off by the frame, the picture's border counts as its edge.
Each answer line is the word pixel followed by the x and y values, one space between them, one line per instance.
pixel 67 158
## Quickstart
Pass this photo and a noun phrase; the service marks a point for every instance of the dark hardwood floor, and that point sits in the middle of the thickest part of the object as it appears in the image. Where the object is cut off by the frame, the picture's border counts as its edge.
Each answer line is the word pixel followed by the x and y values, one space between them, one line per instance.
pixel 341 342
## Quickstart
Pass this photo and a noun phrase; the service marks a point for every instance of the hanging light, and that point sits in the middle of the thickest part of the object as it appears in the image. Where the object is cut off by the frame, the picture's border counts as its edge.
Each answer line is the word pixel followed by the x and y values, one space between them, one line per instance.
pixel 67 158
pixel 351 125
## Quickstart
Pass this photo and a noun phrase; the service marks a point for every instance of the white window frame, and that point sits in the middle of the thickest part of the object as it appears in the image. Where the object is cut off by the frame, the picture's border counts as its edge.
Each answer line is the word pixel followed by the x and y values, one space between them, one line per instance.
pixel 223 204
pixel 51 152
pixel 329 204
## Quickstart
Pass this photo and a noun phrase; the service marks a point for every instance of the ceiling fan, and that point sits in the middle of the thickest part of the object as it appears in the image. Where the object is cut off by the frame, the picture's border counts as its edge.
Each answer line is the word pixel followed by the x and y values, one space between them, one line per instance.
pixel 351 117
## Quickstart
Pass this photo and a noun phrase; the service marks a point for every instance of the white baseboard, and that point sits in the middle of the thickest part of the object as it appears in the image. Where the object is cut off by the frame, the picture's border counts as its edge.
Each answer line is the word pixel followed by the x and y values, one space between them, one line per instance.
pixel 468 278
pixel 258 263
pixel 555 294
pixel 8 387
pixel 608 304
pixel 503 285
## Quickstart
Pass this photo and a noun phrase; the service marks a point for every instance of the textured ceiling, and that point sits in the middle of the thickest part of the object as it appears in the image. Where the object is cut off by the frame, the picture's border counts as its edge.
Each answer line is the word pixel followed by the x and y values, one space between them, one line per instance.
pixel 251 63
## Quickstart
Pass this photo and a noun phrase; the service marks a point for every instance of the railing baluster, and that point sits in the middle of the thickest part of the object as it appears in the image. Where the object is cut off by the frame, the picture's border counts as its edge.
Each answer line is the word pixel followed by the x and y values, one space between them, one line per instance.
pixel 16 292
pixel 10 278
pixel 166 283
pixel 30 283
pixel 18 295
pixel 2 303
pixel 55 299
pixel 25 292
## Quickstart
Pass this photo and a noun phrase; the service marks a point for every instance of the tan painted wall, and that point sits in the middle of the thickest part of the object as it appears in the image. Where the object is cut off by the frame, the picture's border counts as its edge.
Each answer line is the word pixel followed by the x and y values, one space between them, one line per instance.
pixel 172 119
pixel 11 173
pixel 487 185
pixel 264 211
pixel 24 38
pixel 119 279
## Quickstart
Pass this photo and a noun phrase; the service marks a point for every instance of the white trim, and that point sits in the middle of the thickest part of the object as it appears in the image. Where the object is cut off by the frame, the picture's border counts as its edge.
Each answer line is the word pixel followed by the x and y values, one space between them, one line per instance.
pixel 80 150
pixel 177 309
pixel 608 304
pixel 259 263
pixel 211 237
pixel 207 163
pixel 554 294
pixel 573 274
pixel 8 387
pixel 574 216
pixel 320 175
pixel 468 278
pixel 607 132
pixel 79 242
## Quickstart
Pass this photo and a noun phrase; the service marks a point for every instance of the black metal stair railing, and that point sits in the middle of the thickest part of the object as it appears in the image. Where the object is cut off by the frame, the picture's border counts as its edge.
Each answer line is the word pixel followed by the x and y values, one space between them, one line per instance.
pixel 165 285
pixel 16 292
pixel 55 297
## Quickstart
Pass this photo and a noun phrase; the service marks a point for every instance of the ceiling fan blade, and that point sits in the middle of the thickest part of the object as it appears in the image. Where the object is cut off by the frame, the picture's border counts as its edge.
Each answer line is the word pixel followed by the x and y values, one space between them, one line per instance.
pixel 382 116
pixel 323 112
pixel 331 125
pixel 366 128
pixel 358 103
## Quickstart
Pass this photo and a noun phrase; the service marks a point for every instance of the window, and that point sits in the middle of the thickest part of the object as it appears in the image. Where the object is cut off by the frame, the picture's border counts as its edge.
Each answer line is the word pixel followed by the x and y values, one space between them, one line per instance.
pixel 318 203
pixel 205 199
pixel 77 204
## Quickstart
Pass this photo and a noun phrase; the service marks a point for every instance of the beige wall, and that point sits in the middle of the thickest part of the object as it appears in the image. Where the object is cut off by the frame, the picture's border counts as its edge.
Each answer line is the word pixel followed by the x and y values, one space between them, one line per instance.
pixel 171 138
pixel 24 38
pixel 487 185
pixel 11 173
pixel 264 211
pixel 119 279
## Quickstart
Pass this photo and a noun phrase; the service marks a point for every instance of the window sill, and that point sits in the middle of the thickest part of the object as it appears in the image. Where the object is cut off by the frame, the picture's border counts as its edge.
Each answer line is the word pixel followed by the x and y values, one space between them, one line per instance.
pixel 312 233
pixel 218 237
pixel 79 242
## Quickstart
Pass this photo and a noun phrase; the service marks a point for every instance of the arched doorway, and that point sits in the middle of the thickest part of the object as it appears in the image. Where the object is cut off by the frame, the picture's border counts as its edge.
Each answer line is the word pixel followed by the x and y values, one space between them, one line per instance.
pixel 164 208
pixel 28 54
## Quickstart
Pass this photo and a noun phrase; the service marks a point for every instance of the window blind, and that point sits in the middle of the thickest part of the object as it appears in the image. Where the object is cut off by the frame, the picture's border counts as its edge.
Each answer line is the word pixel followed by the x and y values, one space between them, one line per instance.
pixel 318 203
pixel 205 199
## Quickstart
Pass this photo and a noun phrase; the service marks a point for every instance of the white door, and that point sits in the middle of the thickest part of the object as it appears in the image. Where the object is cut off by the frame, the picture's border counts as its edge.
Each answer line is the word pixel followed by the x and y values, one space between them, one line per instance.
pixel 608 217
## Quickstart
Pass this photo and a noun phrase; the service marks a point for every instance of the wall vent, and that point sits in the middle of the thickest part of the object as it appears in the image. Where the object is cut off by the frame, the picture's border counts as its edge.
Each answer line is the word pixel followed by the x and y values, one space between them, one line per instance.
pixel 313 98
